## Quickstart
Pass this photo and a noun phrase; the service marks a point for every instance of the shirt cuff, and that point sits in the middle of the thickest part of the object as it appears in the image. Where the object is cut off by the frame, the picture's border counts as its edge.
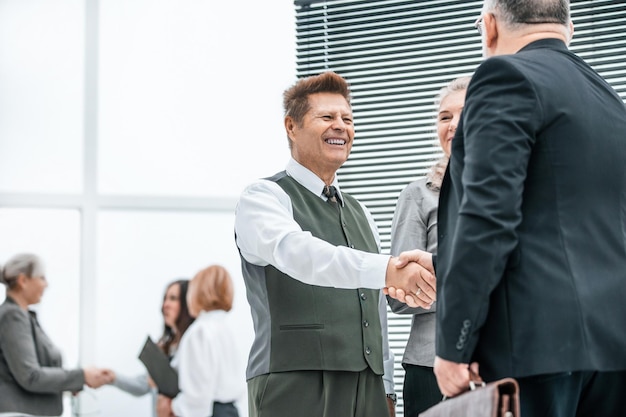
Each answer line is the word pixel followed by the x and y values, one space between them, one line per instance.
pixel 374 271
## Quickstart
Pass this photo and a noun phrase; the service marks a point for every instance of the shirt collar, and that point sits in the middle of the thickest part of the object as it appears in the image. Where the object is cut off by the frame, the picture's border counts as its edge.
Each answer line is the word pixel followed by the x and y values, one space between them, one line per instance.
pixel 309 180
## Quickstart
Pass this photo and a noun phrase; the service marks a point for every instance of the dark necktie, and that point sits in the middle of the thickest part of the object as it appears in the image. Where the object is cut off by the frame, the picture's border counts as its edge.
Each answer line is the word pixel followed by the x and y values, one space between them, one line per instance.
pixel 331 192
pixel 334 200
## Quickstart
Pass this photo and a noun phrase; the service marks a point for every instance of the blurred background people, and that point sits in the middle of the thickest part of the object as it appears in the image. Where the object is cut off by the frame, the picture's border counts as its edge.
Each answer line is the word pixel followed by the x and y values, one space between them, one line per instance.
pixel 414 226
pixel 176 321
pixel 32 379
pixel 210 372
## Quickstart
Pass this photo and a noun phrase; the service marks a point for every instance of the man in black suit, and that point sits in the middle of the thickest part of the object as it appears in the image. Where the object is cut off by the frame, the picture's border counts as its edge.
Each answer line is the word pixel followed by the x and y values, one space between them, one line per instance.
pixel 531 263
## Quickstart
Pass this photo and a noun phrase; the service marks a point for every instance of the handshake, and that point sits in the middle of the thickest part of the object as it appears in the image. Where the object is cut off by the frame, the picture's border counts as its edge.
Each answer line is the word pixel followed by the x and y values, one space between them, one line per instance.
pixel 411 279
pixel 97 377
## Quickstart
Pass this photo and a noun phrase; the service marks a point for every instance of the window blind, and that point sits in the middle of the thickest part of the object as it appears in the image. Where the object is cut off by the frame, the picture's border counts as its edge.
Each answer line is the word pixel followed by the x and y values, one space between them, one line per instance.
pixel 397 54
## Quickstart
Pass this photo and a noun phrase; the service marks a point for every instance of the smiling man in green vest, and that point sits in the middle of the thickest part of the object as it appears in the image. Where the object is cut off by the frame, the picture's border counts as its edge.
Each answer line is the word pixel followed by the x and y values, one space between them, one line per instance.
pixel 313 272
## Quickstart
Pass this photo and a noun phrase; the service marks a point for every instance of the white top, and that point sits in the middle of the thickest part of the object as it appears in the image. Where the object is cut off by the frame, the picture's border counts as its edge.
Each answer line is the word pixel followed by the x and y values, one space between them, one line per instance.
pixel 282 240
pixel 209 366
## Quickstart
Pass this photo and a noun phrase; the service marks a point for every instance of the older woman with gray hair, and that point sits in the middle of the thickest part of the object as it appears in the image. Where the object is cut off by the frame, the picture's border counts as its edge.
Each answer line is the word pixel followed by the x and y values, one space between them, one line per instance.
pixel 32 379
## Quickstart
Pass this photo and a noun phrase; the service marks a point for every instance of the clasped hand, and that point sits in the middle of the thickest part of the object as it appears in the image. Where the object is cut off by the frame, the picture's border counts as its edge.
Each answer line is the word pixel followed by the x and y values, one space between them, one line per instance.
pixel 411 279
pixel 97 377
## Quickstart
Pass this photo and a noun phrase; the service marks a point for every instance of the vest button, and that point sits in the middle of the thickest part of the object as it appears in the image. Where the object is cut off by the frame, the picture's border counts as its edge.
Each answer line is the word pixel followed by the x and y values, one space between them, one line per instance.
pixel 363 296
pixel 368 350
pixel 366 323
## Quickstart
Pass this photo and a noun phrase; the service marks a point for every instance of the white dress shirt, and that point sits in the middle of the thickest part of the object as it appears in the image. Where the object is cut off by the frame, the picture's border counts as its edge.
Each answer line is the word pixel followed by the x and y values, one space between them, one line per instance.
pixel 209 366
pixel 267 234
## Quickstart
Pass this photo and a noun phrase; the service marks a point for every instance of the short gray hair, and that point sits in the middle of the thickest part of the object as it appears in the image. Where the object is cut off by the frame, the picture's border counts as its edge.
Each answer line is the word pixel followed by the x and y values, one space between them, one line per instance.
pixel 28 264
pixel 514 13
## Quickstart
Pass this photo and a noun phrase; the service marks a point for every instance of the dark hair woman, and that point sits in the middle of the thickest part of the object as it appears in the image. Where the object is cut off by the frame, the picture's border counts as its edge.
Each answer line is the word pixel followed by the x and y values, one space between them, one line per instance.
pixel 176 321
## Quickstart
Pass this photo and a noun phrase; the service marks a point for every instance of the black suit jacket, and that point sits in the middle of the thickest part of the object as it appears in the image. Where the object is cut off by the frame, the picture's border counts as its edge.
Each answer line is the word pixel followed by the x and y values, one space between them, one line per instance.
pixel 532 220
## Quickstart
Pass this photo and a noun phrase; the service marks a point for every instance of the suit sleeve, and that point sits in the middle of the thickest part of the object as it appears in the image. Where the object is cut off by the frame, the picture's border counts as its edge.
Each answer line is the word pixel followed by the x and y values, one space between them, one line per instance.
pixel 18 347
pixel 500 118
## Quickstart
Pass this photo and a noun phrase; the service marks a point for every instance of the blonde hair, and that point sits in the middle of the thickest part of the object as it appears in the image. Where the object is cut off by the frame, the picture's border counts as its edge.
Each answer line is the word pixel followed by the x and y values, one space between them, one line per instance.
pixel 211 289
pixel 458 84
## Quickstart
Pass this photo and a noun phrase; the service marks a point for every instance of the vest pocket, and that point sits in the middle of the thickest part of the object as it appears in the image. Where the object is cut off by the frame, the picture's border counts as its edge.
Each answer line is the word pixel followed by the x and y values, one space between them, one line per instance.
pixel 289 327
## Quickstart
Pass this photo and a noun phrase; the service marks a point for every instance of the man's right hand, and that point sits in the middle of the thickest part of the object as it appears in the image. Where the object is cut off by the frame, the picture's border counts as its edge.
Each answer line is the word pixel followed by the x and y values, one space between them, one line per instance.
pixel 410 279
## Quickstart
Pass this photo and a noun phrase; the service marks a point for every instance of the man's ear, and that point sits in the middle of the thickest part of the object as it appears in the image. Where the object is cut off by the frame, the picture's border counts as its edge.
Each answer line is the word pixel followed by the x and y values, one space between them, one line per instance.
pixel 290 126
pixel 490 27
pixel 571 31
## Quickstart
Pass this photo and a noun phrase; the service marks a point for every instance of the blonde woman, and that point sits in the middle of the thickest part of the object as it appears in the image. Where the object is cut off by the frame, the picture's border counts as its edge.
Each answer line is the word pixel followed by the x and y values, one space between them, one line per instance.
pixel 415 227
pixel 211 376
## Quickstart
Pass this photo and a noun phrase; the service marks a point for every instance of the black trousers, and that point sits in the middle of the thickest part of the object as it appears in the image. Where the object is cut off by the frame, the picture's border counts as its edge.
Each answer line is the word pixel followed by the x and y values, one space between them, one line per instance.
pixel 574 394
pixel 224 410
pixel 420 390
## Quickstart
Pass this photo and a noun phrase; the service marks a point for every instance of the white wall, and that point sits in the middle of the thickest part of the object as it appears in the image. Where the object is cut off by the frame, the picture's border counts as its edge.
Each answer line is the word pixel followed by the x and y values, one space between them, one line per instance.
pixel 187 100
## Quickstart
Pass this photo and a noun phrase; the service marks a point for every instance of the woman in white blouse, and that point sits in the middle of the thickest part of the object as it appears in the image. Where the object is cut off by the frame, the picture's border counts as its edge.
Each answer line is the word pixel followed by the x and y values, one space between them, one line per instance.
pixel 210 372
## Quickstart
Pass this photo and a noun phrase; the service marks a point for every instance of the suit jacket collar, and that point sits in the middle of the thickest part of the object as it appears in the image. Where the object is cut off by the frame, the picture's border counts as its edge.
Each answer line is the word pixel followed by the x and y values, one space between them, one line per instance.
pixel 547 43
pixel 14 303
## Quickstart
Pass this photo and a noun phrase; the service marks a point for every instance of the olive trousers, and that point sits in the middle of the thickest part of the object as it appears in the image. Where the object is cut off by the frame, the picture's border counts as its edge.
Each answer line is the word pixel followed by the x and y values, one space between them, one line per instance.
pixel 317 394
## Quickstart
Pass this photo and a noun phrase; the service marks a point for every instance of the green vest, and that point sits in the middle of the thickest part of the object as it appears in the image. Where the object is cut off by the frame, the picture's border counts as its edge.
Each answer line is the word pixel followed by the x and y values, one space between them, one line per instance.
pixel 322 328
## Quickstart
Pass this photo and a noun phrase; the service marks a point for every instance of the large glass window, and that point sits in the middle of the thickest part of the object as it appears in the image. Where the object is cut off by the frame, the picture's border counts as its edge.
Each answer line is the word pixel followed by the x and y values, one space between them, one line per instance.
pixel 41 95
pixel 127 130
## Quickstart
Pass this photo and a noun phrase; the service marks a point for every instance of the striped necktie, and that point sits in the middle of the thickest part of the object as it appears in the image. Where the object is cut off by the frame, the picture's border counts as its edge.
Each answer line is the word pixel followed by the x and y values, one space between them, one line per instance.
pixel 331 192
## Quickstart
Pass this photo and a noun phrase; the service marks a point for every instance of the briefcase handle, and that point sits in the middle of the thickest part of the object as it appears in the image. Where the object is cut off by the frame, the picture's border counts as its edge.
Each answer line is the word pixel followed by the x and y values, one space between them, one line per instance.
pixel 475 379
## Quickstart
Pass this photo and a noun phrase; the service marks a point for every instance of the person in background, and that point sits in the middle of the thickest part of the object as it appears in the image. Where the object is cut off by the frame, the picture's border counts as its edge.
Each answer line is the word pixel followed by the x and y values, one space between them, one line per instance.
pixel 211 376
pixel 176 321
pixel 32 377
pixel 414 226
pixel 531 255
pixel 313 271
